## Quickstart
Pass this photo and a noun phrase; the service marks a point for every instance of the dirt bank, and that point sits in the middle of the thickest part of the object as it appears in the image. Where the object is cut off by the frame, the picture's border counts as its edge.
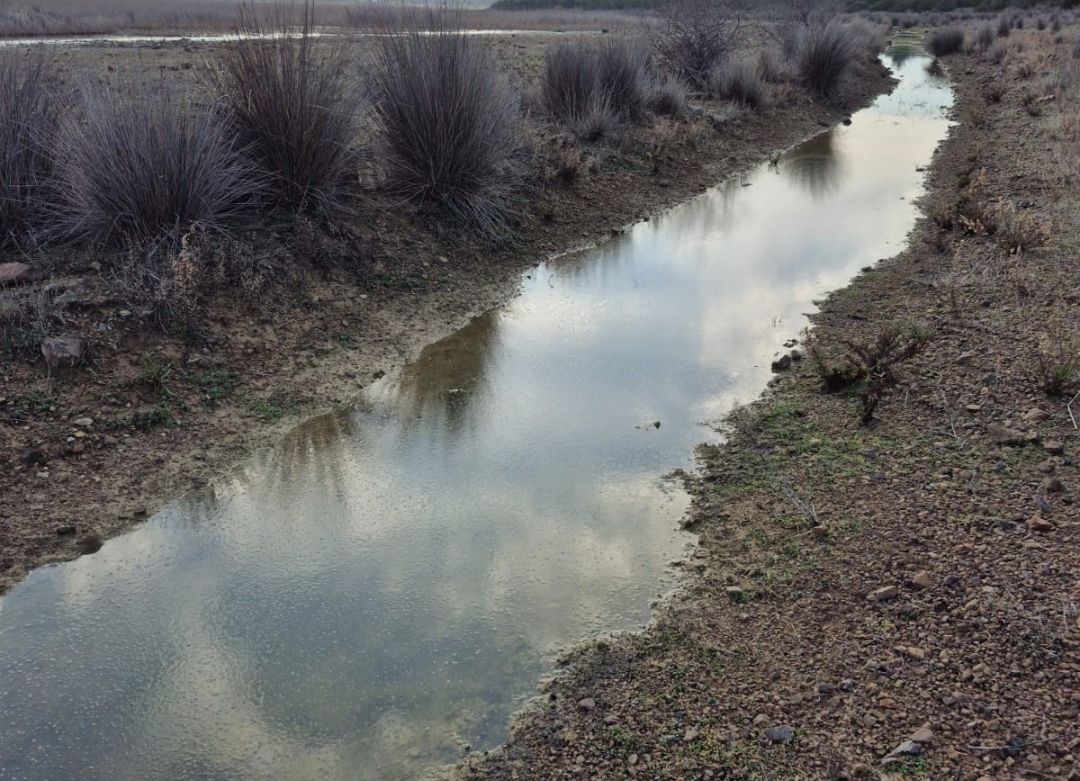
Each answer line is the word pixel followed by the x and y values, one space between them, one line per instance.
pixel 907 587
pixel 87 454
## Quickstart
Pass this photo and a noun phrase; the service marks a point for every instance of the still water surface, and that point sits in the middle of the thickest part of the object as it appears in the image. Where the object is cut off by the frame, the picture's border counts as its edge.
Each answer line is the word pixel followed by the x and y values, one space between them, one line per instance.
pixel 390 582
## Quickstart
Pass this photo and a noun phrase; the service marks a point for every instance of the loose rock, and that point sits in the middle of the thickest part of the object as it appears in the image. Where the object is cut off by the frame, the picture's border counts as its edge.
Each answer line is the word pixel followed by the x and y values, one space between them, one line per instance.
pixel 782 734
pixel 15 273
pixel 884 594
pixel 67 350
pixel 587 704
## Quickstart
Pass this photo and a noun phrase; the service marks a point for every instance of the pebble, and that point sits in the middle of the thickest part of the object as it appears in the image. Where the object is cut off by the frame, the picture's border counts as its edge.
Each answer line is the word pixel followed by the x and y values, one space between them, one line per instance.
pixel 908 748
pixel 65 529
pixel 922 735
pixel 1054 448
pixel 1039 524
pixel 587 704
pixel 83 422
pixel 691 735
pixel 884 594
pixel 1052 485
pixel 781 734
pixel 611 719
pixel 921 579
pixel 760 719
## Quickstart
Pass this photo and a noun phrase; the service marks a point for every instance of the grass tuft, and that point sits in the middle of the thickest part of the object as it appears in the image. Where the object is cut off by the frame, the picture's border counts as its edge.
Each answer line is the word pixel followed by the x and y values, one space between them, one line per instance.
pixel 146 163
pixel 289 100
pixel 29 117
pixel 449 123
pixel 822 57
pixel 945 41
pixel 739 81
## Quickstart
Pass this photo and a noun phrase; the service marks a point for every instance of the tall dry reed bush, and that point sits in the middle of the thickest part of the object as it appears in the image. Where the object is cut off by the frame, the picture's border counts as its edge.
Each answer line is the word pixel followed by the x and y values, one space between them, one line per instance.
pixel 584 78
pixel 823 56
pixel 448 121
pixel 145 162
pixel 291 99
pixel 29 115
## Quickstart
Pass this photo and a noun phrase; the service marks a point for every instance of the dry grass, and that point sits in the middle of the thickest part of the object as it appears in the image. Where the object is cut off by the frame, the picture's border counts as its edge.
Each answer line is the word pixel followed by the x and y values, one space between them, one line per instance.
pixel 144 163
pixel 291 102
pixel 29 116
pixel 449 123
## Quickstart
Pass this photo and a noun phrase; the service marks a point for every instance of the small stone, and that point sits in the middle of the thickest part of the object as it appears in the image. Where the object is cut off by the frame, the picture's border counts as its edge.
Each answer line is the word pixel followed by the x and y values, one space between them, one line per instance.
pixel 734 592
pixel 908 748
pixel 67 350
pixel 782 734
pixel 1052 485
pixel 632 759
pixel 783 363
pixel 884 594
pixel 90 543
pixel 110 441
pixel 15 273
pixel 915 653
pixel 587 704
pixel 65 529
pixel 1039 524
pixel 691 735
pixel 760 719
pixel 83 422
pixel 922 735
pixel 1047 467
pixel 1003 435
pixel 921 579
pixel 611 719
pixel 820 531
pixel 1035 415
pixel 974 408
pixel 1054 448
pixel 796 355
pixel 847 685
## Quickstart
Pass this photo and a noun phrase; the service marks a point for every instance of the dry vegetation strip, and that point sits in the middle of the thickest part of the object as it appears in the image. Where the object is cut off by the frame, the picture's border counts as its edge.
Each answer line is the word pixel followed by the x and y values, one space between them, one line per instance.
pixel 891 595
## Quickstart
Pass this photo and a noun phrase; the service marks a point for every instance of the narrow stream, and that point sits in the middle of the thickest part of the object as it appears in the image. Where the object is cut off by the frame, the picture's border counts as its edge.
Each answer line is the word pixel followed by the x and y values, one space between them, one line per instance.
pixel 390 582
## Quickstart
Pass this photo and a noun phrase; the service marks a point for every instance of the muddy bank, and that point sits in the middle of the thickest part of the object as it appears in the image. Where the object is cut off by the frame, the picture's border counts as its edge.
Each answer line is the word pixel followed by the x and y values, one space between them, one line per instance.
pixel 90 453
pixel 897 596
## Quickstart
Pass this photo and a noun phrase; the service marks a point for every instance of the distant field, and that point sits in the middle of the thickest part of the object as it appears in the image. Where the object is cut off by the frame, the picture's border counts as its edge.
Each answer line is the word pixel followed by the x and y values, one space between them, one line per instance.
pixel 100 17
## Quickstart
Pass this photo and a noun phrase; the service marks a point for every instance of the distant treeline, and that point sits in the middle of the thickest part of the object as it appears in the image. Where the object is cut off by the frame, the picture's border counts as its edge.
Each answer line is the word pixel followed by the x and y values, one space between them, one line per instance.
pixel 904 6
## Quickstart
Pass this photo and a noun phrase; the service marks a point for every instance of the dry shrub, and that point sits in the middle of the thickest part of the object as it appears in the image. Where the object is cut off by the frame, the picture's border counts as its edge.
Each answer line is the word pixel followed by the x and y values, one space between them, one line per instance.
pixel 583 78
pixel 1057 359
pixel 945 41
pixel 25 319
pixel 694 36
pixel 290 100
pixel 145 163
pixel 624 75
pixel 739 81
pixel 823 56
pixel 449 123
pixel 670 98
pixel 571 81
pixel 29 117
pixel 984 36
pixel 772 66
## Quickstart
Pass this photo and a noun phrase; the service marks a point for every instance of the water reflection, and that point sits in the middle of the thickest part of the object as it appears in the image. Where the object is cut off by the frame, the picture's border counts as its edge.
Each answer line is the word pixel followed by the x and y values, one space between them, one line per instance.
pixel 389 582
pixel 815 166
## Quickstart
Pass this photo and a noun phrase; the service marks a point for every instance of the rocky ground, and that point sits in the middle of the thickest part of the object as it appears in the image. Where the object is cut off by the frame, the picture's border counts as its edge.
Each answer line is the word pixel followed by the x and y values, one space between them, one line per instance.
pixel 886 585
pixel 87 453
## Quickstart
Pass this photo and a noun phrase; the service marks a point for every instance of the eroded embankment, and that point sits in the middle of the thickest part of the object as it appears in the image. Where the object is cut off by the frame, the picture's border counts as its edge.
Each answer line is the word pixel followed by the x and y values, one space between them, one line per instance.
pixel 907 585
pixel 322 328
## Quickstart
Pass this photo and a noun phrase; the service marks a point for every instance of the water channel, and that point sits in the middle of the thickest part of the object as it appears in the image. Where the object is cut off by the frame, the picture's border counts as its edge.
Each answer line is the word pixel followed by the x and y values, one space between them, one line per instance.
pixel 391 581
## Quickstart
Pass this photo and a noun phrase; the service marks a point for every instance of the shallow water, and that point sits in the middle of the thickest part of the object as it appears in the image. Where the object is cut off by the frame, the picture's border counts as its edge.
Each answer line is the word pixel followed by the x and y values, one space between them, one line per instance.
pixel 390 582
